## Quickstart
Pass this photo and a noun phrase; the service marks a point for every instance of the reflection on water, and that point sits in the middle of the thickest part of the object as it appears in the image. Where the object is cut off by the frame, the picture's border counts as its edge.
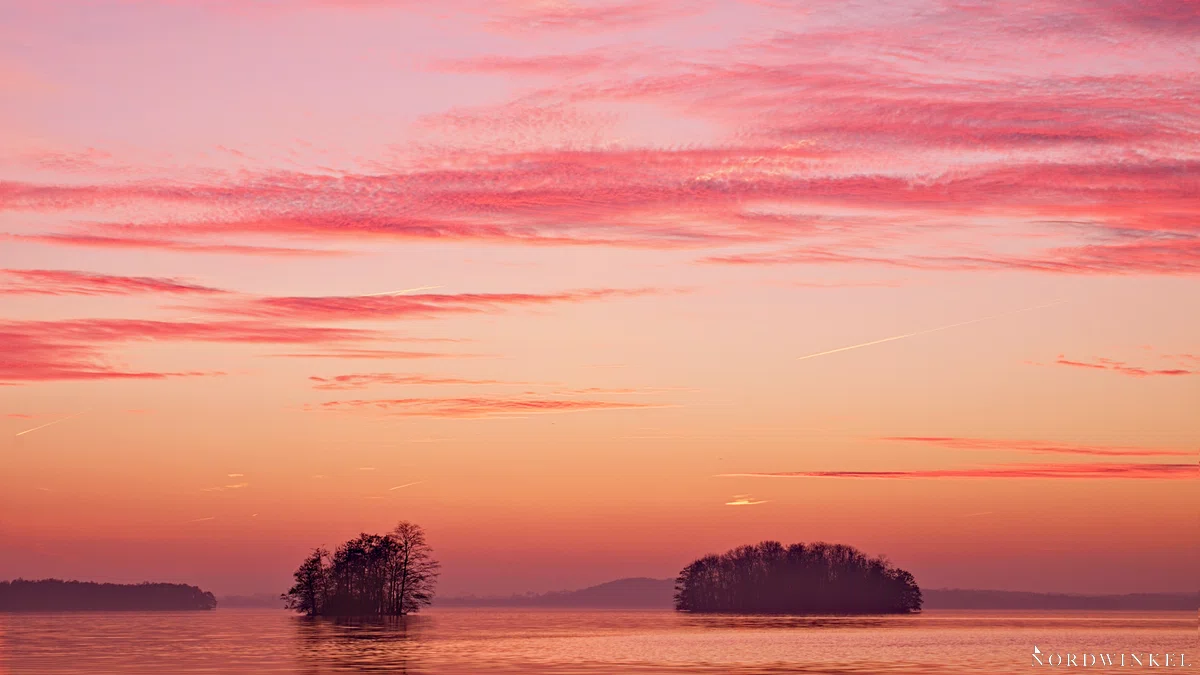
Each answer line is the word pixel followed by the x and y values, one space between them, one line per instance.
pixel 390 644
pixel 570 642
pixel 726 621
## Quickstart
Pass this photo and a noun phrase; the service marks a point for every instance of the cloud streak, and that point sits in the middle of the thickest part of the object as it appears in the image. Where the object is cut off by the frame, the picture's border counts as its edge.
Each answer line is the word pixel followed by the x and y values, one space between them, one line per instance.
pixel 1023 471
pixel 164 245
pixel 1039 447
pixel 356 354
pixel 416 306
pixel 75 349
pixel 365 380
pixel 1123 368
pixel 476 407
pixel 70 282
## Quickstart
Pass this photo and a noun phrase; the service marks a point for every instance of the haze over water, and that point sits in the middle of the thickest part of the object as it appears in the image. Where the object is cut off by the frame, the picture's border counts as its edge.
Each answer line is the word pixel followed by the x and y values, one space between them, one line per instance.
pixel 562 642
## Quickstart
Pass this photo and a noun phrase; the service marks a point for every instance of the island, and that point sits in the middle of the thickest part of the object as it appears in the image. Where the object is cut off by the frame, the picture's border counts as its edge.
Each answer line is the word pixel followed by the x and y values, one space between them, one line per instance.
pixel 820 578
pixel 56 595
pixel 370 575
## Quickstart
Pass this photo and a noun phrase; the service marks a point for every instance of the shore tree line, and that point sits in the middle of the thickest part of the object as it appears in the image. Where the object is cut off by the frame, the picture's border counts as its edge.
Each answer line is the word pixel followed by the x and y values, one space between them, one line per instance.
pixel 58 595
pixel 370 575
pixel 801 578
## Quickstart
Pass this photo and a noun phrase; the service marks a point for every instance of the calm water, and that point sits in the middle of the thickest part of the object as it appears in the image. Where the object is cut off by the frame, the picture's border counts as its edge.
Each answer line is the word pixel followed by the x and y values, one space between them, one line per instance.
pixel 517 641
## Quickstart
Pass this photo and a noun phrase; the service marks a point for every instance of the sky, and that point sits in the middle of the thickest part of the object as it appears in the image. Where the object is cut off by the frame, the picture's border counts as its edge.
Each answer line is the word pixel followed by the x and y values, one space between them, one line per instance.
pixel 591 289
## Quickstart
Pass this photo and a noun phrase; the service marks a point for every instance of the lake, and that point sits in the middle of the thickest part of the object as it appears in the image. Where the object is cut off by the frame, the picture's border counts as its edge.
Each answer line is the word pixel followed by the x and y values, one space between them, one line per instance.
pixel 566 641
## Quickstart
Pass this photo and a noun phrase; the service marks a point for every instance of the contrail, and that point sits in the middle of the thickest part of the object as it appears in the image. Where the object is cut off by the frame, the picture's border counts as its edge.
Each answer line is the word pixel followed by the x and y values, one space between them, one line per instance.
pixel 928 330
pixel 405 485
pixel 407 290
pixel 64 419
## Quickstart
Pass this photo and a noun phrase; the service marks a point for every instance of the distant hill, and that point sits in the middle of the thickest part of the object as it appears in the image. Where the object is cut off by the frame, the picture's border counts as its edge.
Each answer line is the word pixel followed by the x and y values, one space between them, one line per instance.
pixel 645 593
pixel 256 600
pixel 69 596
pixel 632 593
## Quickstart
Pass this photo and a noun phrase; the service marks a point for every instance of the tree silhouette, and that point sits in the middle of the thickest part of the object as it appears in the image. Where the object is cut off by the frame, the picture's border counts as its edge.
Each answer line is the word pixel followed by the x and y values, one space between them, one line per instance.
pixel 370 575
pixel 816 578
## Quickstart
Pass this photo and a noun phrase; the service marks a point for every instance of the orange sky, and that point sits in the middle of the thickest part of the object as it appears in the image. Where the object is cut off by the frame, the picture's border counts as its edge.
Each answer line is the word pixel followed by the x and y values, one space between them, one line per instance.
pixel 549 270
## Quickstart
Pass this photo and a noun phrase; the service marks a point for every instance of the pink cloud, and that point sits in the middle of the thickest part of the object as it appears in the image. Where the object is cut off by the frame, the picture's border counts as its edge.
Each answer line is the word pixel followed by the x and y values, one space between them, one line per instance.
pixel 70 282
pixel 1181 256
pixel 416 306
pixel 76 349
pixel 1167 16
pixel 876 139
pixel 364 380
pixel 171 245
pixel 642 199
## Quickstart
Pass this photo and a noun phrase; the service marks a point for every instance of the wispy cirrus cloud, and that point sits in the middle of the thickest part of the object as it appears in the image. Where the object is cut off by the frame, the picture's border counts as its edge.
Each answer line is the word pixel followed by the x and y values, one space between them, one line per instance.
pixel 1040 447
pixel 566 16
pixel 1180 255
pixel 171 245
pixel 1060 471
pixel 1193 359
pixel 77 349
pixel 551 64
pixel 696 198
pixel 223 488
pixel 354 353
pixel 583 16
pixel 1123 368
pixel 744 500
pixel 365 380
pixel 468 407
pixel 414 306
pixel 72 282
pixel 841 137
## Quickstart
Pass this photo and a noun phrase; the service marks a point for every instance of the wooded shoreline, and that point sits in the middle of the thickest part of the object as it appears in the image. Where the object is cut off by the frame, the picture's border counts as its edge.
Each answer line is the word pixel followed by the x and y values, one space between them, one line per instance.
pixel 22 595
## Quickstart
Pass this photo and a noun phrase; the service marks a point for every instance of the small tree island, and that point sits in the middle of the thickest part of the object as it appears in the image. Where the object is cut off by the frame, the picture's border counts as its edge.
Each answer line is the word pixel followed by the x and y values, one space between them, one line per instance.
pixel 818 578
pixel 370 575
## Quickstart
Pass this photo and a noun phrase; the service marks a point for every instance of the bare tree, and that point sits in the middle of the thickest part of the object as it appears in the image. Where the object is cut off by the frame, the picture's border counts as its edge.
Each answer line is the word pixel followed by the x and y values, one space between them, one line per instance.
pixel 415 571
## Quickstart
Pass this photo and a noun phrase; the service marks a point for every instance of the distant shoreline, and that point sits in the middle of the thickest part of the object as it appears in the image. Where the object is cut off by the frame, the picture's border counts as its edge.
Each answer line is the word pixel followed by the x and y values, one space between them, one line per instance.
pixel 57 595
pixel 622 594
pixel 646 593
